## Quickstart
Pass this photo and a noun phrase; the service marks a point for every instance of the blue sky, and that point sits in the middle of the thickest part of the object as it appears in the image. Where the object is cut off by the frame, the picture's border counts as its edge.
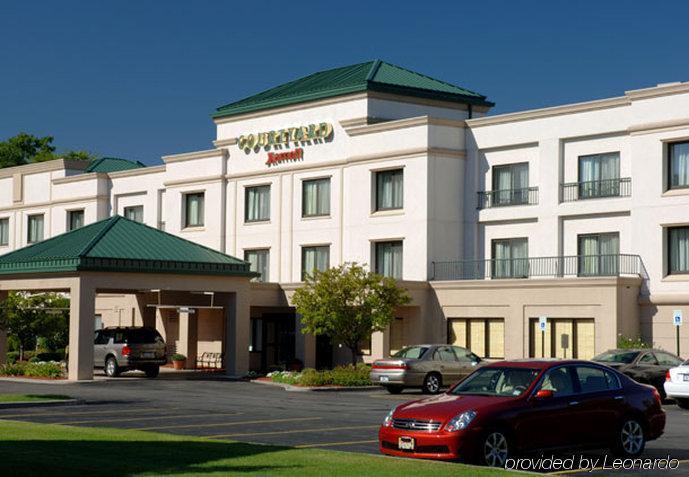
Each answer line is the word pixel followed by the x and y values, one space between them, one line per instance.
pixel 139 79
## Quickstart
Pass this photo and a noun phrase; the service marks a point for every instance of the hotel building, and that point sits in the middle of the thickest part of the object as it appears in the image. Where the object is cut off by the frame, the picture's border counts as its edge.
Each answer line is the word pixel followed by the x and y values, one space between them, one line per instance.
pixel 577 213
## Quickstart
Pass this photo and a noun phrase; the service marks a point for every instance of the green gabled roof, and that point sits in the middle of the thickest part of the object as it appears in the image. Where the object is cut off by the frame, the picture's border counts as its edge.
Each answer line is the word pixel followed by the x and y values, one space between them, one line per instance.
pixel 370 76
pixel 121 245
pixel 113 164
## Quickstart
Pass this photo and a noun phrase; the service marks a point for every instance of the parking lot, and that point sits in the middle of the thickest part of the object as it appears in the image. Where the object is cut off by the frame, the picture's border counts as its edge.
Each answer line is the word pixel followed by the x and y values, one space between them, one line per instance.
pixel 346 421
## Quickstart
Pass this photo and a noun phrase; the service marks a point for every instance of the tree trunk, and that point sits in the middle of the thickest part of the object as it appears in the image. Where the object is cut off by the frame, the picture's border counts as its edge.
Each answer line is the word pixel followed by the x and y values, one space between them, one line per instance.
pixel 354 354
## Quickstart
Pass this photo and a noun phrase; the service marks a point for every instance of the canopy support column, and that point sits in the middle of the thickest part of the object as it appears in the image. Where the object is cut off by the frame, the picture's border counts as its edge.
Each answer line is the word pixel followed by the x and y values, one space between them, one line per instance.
pixel 3 333
pixel 236 311
pixel 82 311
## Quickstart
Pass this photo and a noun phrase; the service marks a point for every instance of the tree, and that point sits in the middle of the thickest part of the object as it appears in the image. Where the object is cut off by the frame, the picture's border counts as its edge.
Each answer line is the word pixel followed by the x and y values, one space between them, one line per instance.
pixel 23 148
pixel 30 318
pixel 348 303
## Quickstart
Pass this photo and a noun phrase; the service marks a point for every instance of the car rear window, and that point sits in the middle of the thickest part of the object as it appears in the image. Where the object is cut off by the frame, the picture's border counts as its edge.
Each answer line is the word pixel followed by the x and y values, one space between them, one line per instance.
pixel 492 381
pixel 141 336
pixel 412 352
pixel 624 357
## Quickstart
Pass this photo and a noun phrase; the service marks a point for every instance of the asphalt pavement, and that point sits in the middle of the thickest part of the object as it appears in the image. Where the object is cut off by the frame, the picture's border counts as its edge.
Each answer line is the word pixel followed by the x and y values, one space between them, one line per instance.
pixel 256 413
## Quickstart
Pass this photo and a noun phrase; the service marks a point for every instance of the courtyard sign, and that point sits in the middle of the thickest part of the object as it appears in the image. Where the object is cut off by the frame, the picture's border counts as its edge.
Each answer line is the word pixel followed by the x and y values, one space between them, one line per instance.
pixel 283 137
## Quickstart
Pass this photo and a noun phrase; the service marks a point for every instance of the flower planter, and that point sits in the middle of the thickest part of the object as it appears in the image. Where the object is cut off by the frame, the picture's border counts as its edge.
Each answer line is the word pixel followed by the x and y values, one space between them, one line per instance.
pixel 179 364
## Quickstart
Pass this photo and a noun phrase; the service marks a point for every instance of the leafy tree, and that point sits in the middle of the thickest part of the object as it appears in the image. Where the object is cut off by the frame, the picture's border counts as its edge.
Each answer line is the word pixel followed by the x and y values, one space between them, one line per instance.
pixel 23 148
pixel 348 303
pixel 29 319
pixel 78 156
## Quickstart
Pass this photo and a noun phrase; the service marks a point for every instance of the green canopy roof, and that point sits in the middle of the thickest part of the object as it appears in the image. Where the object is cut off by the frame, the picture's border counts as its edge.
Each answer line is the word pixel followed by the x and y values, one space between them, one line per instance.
pixel 113 164
pixel 370 76
pixel 121 245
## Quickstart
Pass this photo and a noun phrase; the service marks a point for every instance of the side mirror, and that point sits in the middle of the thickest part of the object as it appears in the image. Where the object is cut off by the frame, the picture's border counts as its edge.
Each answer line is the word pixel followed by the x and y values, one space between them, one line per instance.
pixel 544 394
pixel 474 363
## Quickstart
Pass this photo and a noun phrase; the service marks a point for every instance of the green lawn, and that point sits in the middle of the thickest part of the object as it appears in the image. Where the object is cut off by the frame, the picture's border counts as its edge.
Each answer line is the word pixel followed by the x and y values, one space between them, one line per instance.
pixel 45 449
pixel 30 397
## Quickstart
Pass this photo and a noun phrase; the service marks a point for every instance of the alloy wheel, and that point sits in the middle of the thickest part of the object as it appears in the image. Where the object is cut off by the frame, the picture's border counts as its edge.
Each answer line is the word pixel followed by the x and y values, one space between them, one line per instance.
pixel 110 368
pixel 495 450
pixel 632 436
pixel 433 383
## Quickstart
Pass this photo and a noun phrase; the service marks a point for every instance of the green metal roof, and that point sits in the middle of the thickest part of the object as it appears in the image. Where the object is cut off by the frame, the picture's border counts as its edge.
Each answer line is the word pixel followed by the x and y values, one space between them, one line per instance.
pixel 113 164
pixel 118 244
pixel 370 76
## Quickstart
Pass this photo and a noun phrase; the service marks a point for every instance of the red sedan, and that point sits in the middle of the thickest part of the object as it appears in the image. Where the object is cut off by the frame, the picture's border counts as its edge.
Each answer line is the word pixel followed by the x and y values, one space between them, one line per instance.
pixel 511 407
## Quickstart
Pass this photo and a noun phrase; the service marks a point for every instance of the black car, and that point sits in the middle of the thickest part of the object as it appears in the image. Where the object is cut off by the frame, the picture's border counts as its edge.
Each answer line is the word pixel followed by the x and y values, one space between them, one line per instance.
pixel 647 366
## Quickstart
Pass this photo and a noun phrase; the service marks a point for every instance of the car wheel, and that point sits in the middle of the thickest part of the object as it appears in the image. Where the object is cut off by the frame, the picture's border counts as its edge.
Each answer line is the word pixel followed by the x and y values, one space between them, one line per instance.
pixel 495 449
pixel 111 368
pixel 683 403
pixel 630 440
pixel 431 383
pixel 152 371
pixel 394 389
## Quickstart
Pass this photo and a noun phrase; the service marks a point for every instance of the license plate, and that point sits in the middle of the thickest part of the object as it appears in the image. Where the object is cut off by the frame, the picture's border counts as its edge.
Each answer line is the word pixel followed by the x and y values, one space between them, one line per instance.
pixel 148 355
pixel 384 379
pixel 686 377
pixel 405 443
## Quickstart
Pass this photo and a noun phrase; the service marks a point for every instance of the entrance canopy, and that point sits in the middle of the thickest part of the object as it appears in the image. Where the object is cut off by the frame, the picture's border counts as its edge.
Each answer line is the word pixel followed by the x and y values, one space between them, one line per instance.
pixel 120 255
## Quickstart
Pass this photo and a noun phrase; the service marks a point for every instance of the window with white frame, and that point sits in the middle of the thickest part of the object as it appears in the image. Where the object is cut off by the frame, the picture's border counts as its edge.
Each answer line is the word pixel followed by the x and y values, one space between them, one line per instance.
pixel 34 231
pixel 315 197
pixel 259 262
pixel 135 213
pixel 678 170
pixel 75 219
pixel 4 232
pixel 678 250
pixel 314 258
pixel 388 259
pixel 510 258
pixel 389 189
pixel 511 184
pixel 257 203
pixel 599 175
pixel 194 209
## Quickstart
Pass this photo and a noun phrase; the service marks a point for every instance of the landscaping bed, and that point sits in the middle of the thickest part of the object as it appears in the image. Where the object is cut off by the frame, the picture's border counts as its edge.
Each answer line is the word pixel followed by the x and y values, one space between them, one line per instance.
pixel 37 370
pixel 345 376
pixel 13 398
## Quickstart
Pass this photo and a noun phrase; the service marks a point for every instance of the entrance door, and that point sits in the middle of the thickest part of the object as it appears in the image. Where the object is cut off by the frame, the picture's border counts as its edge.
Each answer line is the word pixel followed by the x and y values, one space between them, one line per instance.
pixel 278 341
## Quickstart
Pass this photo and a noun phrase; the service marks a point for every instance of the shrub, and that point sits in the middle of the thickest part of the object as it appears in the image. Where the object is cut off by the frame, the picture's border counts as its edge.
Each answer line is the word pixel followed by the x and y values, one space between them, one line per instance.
pixel 14 369
pixel 352 375
pixel 34 359
pixel 178 357
pixel 340 376
pixel 626 342
pixel 51 356
pixel 12 357
pixel 43 369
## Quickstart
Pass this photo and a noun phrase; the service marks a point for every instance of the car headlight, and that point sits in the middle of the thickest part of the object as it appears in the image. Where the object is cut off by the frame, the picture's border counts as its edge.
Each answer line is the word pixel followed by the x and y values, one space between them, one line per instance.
pixel 460 421
pixel 387 422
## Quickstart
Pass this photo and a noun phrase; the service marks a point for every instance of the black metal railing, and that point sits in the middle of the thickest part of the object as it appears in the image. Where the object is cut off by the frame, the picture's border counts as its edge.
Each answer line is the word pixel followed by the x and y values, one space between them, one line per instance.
pixel 540 267
pixel 507 197
pixel 620 187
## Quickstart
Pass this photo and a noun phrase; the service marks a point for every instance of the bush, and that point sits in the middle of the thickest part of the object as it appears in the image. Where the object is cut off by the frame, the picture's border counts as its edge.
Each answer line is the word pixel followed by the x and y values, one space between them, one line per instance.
pixel 14 369
pixel 12 357
pixel 340 376
pixel 178 357
pixel 625 342
pixel 43 370
pixel 51 356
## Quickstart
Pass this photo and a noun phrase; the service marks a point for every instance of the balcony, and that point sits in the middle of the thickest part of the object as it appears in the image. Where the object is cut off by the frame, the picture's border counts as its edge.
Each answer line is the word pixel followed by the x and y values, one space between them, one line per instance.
pixel 620 187
pixel 507 197
pixel 541 267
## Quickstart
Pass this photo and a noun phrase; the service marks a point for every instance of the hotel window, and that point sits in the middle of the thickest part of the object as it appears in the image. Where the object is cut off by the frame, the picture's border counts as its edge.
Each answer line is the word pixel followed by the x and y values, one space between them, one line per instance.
pixel 599 175
pixel 599 254
pixel 510 258
pixel 135 213
pixel 389 189
pixel 511 184
pixel 562 338
pixel 4 232
pixel 679 165
pixel 314 258
pixel 257 204
pixel 483 336
pixel 75 219
pixel 35 228
pixel 315 197
pixel 388 259
pixel 194 209
pixel 259 260
pixel 678 250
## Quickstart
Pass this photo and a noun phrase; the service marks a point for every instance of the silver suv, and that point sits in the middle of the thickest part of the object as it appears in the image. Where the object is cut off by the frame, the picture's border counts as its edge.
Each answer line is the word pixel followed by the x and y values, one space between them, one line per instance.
pixel 124 348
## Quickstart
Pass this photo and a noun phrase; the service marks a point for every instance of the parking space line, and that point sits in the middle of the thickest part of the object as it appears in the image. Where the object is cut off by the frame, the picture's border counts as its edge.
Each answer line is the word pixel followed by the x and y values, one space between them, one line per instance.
pixel 85 413
pixel 331 444
pixel 231 423
pixel 291 431
pixel 147 418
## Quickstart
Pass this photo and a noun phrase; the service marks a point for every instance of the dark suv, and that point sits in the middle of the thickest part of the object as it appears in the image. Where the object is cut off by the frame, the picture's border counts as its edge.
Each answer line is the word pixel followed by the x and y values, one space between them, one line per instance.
pixel 125 348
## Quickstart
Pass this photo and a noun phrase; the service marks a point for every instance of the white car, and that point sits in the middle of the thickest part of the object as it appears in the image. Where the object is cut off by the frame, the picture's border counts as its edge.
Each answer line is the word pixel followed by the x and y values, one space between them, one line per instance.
pixel 677 384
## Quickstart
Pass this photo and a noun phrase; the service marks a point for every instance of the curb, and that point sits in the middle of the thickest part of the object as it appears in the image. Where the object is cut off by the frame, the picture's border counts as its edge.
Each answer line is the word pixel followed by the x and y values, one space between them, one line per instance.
pixel 316 389
pixel 51 403
pixel 11 379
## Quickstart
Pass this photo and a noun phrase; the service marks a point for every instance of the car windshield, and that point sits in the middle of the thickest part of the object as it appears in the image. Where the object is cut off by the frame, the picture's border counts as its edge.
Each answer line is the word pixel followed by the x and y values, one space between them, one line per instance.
pixel 497 382
pixel 412 352
pixel 143 335
pixel 625 357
